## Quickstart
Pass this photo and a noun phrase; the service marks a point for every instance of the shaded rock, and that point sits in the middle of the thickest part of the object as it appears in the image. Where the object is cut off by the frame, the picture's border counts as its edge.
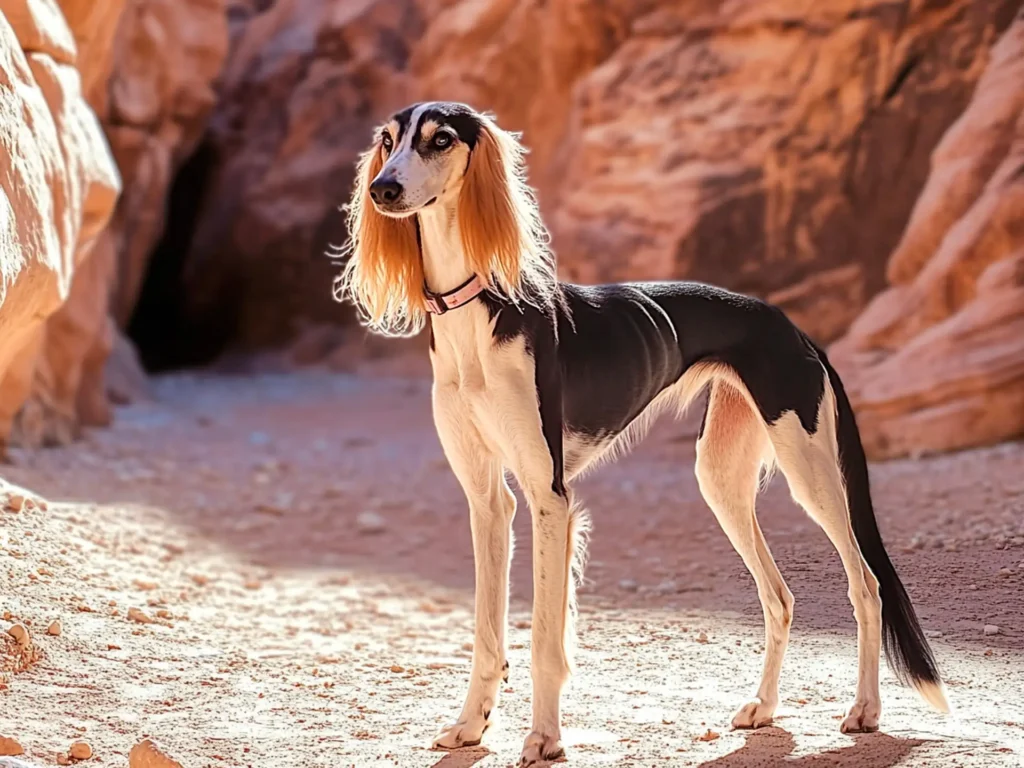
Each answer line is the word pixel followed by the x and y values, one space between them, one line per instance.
pixel 370 523
pixel 167 57
pixel 124 378
pixel 936 362
pixel 762 167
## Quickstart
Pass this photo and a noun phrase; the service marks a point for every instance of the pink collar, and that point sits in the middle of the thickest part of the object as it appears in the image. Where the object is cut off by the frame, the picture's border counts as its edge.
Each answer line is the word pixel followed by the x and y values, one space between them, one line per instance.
pixel 439 303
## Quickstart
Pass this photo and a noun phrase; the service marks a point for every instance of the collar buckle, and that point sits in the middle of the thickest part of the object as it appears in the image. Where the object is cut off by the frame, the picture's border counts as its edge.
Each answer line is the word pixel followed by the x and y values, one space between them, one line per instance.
pixel 435 303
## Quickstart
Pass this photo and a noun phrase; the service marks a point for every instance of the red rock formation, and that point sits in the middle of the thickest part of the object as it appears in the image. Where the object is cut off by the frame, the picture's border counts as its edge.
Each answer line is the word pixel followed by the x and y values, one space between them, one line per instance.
pixel 58 185
pixel 936 362
pixel 774 147
pixel 168 55
pixel 147 67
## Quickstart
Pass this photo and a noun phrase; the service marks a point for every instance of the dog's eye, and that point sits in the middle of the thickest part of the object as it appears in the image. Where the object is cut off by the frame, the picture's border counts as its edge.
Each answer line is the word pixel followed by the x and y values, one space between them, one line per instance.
pixel 442 140
pixel 385 141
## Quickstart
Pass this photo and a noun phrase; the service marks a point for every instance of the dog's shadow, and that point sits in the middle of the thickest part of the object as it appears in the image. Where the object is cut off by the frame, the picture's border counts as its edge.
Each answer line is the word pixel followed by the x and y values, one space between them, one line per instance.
pixel 767 748
pixel 772 746
pixel 463 758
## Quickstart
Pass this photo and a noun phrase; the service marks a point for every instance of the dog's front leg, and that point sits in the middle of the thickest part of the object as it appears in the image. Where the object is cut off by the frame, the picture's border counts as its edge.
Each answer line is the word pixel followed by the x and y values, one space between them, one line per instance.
pixel 553 552
pixel 491 509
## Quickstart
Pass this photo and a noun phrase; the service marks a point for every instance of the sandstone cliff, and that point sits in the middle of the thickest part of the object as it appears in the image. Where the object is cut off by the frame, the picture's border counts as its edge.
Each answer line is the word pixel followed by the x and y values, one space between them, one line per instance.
pixel 829 156
pixel 936 362
pixel 774 147
pixel 58 186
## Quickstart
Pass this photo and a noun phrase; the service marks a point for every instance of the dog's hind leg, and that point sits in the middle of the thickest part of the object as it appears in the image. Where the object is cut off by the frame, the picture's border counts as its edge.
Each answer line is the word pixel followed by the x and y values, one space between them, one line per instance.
pixel 810 463
pixel 492 506
pixel 730 452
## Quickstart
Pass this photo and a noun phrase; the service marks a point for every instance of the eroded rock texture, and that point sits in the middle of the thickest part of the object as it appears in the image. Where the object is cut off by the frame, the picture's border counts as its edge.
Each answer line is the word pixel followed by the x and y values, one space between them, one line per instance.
pixel 147 68
pixel 58 186
pixel 168 56
pixel 778 147
pixel 774 147
pixel 936 362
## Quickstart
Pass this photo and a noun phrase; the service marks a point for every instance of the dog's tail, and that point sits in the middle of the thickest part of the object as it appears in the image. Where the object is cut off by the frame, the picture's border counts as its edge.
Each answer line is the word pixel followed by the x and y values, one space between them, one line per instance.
pixel 906 648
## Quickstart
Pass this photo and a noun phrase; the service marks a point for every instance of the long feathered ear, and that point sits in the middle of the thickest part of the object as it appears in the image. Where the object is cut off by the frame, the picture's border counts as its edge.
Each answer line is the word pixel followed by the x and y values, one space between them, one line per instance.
pixel 384 273
pixel 502 234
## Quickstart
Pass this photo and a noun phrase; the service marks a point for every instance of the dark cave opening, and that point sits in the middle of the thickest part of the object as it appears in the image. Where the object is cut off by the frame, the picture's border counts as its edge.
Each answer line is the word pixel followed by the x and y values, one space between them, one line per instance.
pixel 167 335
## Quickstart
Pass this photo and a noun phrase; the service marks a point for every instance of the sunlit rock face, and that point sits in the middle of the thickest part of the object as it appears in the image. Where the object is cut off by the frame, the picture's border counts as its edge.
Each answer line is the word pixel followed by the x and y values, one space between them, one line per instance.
pixel 772 147
pixel 829 156
pixel 58 187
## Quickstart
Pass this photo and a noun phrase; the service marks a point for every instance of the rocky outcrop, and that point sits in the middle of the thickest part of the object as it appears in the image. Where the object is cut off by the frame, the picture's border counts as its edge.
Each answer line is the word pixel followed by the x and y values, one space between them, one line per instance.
pixel 58 183
pixel 936 362
pixel 147 68
pixel 168 56
pixel 774 147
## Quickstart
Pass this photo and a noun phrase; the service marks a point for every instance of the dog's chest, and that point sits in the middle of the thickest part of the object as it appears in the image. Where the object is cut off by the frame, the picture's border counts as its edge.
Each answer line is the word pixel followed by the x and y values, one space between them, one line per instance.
pixel 463 353
pixel 493 382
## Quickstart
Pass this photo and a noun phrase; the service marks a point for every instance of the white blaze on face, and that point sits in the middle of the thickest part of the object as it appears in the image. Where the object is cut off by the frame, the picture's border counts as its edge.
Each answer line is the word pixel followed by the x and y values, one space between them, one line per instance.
pixel 423 174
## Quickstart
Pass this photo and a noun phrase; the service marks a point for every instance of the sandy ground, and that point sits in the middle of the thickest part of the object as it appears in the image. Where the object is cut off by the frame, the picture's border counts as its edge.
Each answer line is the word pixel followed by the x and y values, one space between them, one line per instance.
pixel 285 634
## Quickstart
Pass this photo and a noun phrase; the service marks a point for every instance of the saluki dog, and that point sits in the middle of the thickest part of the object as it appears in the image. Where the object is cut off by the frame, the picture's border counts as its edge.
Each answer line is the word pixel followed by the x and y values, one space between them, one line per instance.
pixel 540 379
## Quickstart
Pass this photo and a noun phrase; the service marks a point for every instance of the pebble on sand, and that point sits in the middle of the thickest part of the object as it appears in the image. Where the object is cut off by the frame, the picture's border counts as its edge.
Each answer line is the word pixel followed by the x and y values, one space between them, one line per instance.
pixel 9 746
pixel 54 629
pixel 81 750
pixel 16 502
pixel 20 633
pixel 370 522
pixel 139 616
pixel 146 754
pixel 991 629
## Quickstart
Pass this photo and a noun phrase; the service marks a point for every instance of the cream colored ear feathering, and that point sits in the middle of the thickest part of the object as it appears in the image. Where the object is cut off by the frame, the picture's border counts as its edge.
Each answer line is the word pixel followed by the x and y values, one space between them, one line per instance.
pixel 384 272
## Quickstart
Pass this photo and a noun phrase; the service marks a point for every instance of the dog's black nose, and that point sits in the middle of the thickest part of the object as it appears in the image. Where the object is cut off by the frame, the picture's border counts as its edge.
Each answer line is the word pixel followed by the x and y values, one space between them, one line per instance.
pixel 386 192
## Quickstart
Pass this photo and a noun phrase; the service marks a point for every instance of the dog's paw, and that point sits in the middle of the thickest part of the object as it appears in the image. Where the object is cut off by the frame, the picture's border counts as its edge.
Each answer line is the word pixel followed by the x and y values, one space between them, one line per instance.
pixel 862 718
pixel 540 748
pixel 465 733
pixel 754 714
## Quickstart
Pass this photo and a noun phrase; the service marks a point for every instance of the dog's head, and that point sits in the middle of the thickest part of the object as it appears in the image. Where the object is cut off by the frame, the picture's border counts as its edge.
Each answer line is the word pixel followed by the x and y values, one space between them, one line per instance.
pixel 439 155
pixel 424 153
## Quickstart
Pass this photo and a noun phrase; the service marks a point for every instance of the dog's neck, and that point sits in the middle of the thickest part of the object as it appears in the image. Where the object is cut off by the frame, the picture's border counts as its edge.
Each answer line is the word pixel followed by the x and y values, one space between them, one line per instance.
pixel 445 266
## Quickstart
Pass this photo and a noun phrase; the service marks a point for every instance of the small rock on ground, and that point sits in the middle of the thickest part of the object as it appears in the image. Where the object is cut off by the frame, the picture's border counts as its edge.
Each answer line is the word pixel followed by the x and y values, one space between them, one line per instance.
pixel 370 522
pixel 146 754
pixel 81 750
pixel 139 616
pixel 20 633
